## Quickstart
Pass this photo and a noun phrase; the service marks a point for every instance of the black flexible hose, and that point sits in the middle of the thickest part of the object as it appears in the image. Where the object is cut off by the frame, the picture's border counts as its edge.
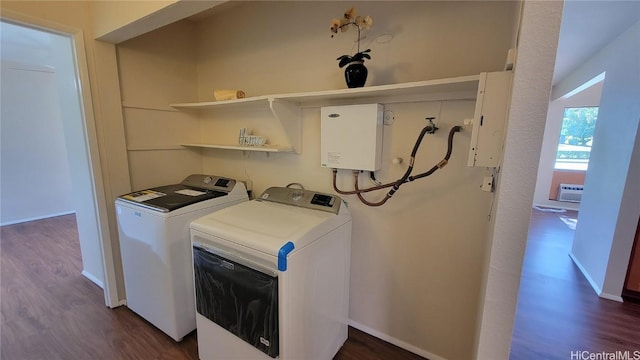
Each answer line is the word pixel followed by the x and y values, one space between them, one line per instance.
pixel 362 199
pixel 359 193
pixel 406 177
pixel 444 161
pixel 426 129
pixel 354 192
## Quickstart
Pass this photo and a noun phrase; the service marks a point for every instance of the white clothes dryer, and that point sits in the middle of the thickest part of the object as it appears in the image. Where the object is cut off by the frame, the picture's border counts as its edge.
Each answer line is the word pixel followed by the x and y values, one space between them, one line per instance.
pixel 272 277
pixel 153 227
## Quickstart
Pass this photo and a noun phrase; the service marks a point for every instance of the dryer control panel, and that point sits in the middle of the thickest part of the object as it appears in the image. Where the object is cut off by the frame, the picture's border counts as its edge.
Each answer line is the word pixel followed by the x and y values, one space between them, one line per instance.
pixel 302 198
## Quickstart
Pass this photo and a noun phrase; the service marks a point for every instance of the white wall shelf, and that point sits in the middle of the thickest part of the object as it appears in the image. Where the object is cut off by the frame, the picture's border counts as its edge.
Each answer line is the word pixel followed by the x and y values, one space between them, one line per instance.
pixel 286 107
pixel 262 148
pixel 128 105
pixel 155 147
pixel 458 87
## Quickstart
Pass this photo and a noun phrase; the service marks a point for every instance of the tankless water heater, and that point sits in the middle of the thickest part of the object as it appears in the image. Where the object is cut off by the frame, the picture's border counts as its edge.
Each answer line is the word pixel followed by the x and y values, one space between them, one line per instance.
pixel 351 137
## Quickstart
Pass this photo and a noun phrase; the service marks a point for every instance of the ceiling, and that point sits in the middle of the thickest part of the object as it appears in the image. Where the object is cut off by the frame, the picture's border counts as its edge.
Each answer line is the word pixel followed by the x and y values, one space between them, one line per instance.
pixel 587 26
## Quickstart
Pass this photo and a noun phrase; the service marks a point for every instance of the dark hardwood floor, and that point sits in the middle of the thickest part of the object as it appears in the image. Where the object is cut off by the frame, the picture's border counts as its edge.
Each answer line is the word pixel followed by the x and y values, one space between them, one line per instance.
pixel 50 311
pixel 558 312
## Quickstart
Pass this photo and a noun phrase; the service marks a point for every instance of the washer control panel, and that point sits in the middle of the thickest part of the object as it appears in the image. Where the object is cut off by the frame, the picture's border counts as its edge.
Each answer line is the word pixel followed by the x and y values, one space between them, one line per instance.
pixel 209 182
pixel 302 198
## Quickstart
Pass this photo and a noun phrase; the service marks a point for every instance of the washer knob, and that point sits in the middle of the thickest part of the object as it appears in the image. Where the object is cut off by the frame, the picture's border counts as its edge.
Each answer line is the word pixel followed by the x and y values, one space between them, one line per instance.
pixel 207 180
pixel 297 194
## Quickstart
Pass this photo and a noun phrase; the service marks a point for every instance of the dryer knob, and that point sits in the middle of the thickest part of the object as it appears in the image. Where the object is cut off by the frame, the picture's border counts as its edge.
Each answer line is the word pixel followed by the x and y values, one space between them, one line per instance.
pixel 207 180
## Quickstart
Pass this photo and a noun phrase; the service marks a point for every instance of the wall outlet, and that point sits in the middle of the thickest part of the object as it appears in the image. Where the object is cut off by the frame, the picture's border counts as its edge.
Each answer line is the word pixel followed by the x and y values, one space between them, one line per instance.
pixel 487 184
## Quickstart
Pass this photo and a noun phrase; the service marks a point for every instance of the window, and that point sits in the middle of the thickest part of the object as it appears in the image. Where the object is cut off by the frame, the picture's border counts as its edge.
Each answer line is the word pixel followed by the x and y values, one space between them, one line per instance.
pixel 576 138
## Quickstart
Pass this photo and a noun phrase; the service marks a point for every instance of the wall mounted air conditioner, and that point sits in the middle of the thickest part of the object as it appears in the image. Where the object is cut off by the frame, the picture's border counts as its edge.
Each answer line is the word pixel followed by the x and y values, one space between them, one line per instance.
pixel 570 192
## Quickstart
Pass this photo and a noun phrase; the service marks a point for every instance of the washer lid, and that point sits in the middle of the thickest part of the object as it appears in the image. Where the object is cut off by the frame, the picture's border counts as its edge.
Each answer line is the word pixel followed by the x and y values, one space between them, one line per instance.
pixel 170 197
pixel 269 226
pixel 193 189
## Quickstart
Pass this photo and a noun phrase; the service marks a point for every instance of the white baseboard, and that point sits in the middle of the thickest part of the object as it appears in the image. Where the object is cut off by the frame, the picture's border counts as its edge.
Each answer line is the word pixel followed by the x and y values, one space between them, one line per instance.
pixel 19 221
pixel 586 275
pixel 93 279
pixel 593 284
pixel 608 296
pixel 394 341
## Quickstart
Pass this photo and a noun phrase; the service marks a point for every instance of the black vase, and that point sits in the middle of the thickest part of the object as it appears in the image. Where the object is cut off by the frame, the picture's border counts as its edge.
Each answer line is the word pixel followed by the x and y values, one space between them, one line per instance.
pixel 356 74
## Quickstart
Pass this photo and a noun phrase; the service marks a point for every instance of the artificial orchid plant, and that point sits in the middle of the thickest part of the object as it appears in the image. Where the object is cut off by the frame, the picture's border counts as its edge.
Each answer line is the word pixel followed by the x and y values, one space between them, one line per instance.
pixel 343 24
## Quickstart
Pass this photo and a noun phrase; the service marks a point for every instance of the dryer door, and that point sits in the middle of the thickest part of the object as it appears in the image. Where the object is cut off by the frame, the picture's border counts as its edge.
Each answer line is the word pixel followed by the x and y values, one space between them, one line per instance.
pixel 237 297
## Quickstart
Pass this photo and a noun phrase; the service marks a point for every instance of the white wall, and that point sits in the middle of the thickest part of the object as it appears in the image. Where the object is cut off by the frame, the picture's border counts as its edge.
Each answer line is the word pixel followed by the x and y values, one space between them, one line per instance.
pixel 611 203
pixel 413 41
pixel 157 69
pixel 35 175
pixel 537 46
pixel 553 125
pixel 415 269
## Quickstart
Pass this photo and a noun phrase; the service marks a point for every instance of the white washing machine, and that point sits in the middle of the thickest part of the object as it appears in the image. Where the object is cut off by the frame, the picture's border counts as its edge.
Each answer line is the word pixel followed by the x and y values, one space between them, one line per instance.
pixel 153 226
pixel 272 277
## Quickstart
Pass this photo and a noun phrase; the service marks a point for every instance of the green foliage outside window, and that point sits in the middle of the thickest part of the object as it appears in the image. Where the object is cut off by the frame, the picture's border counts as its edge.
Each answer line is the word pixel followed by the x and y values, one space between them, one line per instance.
pixel 576 138
pixel 576 135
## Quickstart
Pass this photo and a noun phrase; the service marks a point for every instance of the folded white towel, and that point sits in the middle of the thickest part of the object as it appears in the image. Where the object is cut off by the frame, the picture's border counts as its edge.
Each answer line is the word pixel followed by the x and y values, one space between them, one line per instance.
pixel 228 94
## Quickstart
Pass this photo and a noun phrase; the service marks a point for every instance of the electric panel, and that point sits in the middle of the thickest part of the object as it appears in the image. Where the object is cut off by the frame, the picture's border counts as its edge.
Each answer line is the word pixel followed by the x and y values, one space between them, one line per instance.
pixel 489 119
pixel 351 137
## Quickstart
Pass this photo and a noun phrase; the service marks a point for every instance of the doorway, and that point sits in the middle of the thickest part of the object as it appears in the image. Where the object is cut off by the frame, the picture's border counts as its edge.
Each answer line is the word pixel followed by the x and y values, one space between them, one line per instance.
pixel 42 93
pixel 560 163
pixel 582 310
